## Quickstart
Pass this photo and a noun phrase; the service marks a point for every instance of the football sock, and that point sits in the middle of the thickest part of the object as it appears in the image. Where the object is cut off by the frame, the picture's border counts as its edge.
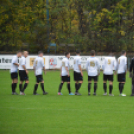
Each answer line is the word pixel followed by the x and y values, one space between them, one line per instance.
pixel 105 87
pixel 25 86
pixel 68 86
pixel 15 85
pixel 20 87
pixel 110 89
pixel 89 86
pixel 95 87
pixel 60 87
pixel 76 86
pixel 132 88
pixel 121 87
pixel 12 87
pixel 35 88
pixel 42 86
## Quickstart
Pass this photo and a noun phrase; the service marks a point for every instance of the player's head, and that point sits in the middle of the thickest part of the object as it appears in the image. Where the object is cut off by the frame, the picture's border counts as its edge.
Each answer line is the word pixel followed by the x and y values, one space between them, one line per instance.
pixel 25 54
pixel 67 54
pixel 40 53
pixel 19 53
pixel 92 53
pixel 123 52
pixel 78 52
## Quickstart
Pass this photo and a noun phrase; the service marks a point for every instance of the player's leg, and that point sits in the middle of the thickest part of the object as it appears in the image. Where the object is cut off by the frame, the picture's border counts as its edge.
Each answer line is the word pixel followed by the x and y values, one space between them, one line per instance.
pixel 35 89
pixel 89 84
pixel 42 86
pixel 21 81
pixel 25 77
pixel 15 81
pixel 76 85
pixel 14 77
pixel 79 80
pixel 89 87
pixel 122 82
pixel 110 88
pixel 105 84
pixel 69 88
pixel 110 79
pixel 36 85
pixel 60 88
pixel 61 84
pixel 20 85
pixel 132 86
pixel 95 84
pixel 25 86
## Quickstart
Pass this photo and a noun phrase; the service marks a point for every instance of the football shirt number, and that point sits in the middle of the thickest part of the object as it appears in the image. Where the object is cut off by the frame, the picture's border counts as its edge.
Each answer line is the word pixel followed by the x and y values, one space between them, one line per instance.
pixel 109 61
pixel 36 63
pixel 63 64
pixel 92 64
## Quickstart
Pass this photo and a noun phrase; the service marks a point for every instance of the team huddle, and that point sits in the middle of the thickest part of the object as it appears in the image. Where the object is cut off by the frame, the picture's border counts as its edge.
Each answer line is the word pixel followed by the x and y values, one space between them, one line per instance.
pixel 110 64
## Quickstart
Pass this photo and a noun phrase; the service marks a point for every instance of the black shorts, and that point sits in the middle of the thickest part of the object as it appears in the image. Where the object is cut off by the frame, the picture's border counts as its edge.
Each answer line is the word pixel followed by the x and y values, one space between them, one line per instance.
pixel 39 78
pixel 90 78
pixel 14 75
pixel 65 78
pixel 122 77
pixel 23 75
pixel 107 77
pixel 77 76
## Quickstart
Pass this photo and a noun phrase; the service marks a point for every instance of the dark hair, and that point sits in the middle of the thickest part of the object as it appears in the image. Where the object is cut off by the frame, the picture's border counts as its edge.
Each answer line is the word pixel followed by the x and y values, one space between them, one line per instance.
pixel 18 51
pixel 40 52
pixel 92 52
pixel 66 53
pixel 123 52
pixel 78 51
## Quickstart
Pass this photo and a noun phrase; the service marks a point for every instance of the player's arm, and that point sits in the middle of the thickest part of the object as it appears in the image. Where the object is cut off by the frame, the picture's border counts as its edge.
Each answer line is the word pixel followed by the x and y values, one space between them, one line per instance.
pixel 98 67
pixel 126 65
pixel 15 62
pixel 103 65
pixel 61 70
pixel 87 66
pixel 115 66
pixel 43 66
pixel 34 65
pixel 24 67
pixel 79 65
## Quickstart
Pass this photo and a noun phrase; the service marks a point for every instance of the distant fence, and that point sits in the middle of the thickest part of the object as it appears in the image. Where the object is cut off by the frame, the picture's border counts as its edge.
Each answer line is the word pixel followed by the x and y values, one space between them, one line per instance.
pixel 51 61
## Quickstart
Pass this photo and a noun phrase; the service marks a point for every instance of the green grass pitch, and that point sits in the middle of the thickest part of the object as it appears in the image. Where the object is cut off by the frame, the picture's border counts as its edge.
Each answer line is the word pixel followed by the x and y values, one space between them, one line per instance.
pixel 53 114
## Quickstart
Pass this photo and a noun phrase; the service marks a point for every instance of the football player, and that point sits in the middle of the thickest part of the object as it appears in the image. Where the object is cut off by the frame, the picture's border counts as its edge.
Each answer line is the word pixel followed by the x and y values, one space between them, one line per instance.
pixel 38 67
pixel 93 69
pixel 78 75
pixel 14 71
pixel 109 64
pixel 23 73
pixel 65 76
pixel 121 71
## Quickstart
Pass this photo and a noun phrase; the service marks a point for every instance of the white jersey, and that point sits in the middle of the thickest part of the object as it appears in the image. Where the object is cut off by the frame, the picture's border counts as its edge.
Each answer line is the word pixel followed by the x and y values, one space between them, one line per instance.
pixel 109 64
pixel 65 63
pixel 14 68
pixel 92 66
pixel 77 62
pixel 122 64
pixel 38 65
pixel 22 62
